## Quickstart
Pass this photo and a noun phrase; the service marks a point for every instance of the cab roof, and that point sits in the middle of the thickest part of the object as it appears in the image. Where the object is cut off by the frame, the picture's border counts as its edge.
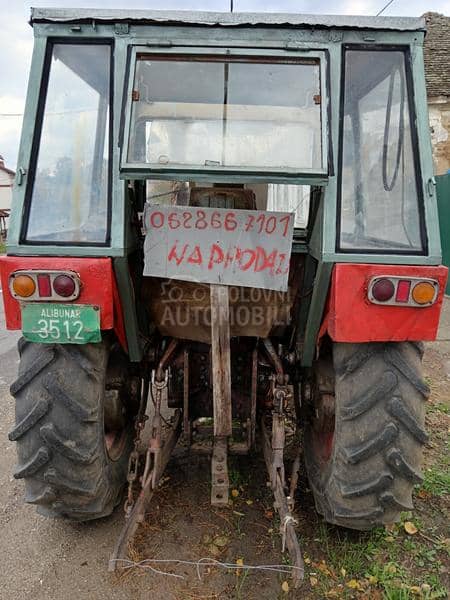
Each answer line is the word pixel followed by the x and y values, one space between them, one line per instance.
pixel 224 19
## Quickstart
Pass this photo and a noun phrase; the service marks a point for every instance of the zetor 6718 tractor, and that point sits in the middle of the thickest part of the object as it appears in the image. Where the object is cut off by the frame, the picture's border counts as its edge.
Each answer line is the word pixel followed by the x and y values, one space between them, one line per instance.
pixel 234 215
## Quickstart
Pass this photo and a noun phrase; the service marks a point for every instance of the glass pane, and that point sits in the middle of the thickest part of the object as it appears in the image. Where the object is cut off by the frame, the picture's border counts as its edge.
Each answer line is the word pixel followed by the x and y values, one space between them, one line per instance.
pixel 70 192
pixel 290 198
pixel 379 205
pixel 205 112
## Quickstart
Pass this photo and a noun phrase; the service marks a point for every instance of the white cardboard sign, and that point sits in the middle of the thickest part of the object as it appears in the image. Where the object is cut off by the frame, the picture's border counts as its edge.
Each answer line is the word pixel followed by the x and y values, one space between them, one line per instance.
pixel 248 248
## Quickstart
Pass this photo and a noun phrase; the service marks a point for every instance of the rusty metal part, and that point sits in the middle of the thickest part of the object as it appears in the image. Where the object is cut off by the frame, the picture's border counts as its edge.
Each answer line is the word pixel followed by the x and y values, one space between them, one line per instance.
pixel 277 446
pixel 275 359
pixel 187 429
pixel 168 354
pixel 282 505
pixel 219 472
pixel 133 461
pixel 149 483
pixel 253 397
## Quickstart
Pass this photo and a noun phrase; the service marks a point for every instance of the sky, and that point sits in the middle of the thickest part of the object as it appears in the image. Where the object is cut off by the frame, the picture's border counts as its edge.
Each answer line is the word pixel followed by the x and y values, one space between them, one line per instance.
pixel 16 38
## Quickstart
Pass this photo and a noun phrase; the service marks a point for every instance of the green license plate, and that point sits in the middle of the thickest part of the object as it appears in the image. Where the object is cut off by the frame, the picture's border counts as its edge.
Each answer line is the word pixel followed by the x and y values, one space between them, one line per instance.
pixel 61 323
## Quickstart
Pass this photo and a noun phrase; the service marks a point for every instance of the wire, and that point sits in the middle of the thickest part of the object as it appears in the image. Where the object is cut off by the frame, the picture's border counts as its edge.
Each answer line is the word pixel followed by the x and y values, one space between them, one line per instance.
pixel 202 562
pixel 384 8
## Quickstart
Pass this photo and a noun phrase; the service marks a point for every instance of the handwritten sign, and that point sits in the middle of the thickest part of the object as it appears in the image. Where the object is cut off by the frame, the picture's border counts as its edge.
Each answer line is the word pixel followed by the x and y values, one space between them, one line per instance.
pixel 212 245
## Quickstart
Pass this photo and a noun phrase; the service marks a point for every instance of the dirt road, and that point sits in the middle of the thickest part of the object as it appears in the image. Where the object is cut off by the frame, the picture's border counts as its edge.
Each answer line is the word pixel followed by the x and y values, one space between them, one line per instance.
pixel 52 560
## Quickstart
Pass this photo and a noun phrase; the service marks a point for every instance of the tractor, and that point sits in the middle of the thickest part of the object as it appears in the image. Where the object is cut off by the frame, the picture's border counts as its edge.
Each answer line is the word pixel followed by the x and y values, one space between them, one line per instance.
pixel 225 223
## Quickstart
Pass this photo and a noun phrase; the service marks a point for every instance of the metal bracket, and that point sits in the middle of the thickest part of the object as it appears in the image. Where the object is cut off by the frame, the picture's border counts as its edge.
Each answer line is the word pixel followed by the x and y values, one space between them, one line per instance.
pixel 121 28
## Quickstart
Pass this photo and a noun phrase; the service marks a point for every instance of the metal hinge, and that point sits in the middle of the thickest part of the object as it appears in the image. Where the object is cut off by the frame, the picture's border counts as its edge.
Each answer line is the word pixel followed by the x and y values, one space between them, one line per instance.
pixel 121 28
pixel 20 175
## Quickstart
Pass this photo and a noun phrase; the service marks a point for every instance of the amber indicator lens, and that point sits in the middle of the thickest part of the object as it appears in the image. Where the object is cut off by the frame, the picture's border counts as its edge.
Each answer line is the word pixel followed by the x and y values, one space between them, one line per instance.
pixel 24 286
pixel 383 290
pixel 423 292
pixel 44 287
pixel 64 285
pixel 403 289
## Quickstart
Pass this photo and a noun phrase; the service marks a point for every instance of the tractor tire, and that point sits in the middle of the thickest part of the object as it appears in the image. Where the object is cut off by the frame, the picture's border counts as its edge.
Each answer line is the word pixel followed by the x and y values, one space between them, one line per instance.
pixel 69 398
pixel 363 456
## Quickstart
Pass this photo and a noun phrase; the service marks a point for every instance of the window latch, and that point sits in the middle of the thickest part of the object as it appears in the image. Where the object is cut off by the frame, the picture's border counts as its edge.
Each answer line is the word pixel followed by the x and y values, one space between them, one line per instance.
pixel 431 184
pixel 20 175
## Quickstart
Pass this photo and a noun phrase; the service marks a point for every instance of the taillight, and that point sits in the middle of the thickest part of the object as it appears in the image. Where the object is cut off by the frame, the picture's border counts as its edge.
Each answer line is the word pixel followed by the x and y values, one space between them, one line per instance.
pixel 23 286
pixel 35 286
pixel 423 292
pixel 64 285
pixel 402 291
pixel 383 290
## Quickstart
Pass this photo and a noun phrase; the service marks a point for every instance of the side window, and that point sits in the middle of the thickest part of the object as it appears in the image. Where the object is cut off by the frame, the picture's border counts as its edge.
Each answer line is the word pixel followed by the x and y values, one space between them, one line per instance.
pixel 68 202
pixel 380 198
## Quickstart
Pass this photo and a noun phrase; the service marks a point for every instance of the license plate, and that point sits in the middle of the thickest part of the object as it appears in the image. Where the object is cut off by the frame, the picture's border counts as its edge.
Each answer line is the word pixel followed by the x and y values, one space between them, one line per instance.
pixel 61 323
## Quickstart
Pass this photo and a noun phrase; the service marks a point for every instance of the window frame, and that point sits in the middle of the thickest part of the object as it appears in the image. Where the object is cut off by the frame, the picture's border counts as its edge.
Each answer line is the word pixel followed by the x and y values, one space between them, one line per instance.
pixel 34 156
pixel 409 82
pixel 131 170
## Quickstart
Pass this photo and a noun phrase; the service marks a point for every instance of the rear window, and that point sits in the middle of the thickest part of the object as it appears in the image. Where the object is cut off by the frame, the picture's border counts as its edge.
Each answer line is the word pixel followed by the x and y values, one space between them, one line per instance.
pixel 217 112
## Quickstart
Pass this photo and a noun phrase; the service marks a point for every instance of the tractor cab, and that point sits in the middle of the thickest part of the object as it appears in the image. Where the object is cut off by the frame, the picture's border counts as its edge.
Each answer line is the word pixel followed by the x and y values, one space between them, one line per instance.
pixel 236 215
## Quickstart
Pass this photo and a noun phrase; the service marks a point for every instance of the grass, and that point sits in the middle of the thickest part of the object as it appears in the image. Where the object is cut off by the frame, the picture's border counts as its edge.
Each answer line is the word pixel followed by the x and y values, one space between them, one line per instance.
pixel 437 481
pixel 2 247
pixel 386 564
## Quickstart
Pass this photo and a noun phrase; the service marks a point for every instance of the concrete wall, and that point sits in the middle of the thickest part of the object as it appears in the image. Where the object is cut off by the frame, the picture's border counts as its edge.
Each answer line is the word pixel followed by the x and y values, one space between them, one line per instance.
pixel 439 113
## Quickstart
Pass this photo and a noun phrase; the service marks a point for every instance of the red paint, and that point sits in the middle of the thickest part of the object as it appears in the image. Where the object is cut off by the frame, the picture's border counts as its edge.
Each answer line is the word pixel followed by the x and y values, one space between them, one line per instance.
pixel 403 288
pixel 98 287
pixel 352 318
pixel 45 290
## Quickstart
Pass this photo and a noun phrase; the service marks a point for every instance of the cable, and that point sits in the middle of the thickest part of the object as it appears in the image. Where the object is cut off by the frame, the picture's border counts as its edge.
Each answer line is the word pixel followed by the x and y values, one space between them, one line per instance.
pixel 384 8
pixel 389 186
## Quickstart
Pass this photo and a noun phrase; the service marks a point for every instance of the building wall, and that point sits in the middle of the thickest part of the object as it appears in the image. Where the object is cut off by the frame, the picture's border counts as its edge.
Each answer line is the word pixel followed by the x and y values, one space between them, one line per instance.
pixel 439 113
pixel 6 183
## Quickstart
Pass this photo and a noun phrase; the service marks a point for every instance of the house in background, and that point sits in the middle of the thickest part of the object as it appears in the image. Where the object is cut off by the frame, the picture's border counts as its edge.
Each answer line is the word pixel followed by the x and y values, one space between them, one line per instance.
pixel 437 75
pixel 6 184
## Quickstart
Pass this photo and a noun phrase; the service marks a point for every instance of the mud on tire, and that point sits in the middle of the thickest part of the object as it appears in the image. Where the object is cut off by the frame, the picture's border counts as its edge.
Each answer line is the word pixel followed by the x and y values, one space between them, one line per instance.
pixel 60 398
pixel 376 454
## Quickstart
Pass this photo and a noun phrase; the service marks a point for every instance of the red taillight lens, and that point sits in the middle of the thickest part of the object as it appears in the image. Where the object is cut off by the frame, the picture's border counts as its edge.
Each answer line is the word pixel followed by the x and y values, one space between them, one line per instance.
pixel 44 287
pixel 383 290
pixel 403 287
pixel 64 285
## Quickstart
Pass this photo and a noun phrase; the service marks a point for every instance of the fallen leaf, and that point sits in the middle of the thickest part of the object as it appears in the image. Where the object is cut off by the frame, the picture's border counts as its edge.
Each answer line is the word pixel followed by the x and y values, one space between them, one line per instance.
pixel 240 562
pixel 285 587
pixel 415 589
pixel 269 514
pixel 423 494
pixel 307 561
pixel 249 502
pixel 373 580
pixel 343 572
pixel 313 581
pixel 214 550
pixel 389 538
pixel 353 584
pixel 221 541
pixel 235 493
pixel 410 527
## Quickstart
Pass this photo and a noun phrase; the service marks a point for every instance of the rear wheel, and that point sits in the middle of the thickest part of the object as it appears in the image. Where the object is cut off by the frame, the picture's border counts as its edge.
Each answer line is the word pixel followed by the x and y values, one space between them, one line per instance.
pixel 74 427
pixel 365 432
